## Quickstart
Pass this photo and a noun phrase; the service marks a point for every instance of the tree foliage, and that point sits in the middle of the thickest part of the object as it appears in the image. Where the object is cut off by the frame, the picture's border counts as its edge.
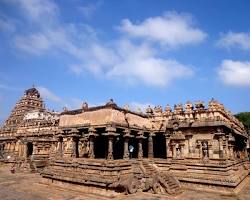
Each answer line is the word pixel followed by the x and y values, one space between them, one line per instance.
pixel 244 117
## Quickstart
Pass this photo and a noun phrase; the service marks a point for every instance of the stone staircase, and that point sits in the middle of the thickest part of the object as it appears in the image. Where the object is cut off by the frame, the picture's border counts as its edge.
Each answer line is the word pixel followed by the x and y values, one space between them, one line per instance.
pixel 167 181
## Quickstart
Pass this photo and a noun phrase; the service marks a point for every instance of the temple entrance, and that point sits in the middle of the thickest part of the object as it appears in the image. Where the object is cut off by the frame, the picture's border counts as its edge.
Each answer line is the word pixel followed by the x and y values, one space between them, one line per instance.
pixel 29 149
pixel 159 142
pixel 118 147
pixel 101 146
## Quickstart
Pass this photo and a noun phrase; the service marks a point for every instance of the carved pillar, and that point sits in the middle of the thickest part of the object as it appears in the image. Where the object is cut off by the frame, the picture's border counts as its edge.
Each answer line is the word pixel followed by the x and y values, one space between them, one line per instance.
pixel 221 153
pixel 174 145
pixel 110 147
pixel 168 151
pixel 25 150
pixel 91 147
pixel 150 146
pixel 182 150
pixel 226 148
pixel 140 150
pixel 60 146
pixel 189 136
pixel 126 152
pixel 91 135
pixel 140 138
pixel 210 149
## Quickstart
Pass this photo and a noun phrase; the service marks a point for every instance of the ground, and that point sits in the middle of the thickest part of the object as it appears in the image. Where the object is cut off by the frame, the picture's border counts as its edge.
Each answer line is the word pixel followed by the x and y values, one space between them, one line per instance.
pixel 29 186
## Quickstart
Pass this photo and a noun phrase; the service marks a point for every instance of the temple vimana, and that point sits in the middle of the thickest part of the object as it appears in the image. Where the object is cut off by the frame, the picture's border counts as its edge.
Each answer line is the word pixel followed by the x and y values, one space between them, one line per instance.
pixel 111 150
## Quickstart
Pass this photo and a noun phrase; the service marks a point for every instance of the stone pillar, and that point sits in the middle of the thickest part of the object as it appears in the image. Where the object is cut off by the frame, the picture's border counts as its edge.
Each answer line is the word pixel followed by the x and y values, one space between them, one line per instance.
pixel 167 137
pixel 91 147
pixel 110 148
pixel 60 146
pixel 182 150
pixel 25 150
pixel 174 150
pixel 150 146
pixel 221 153
pixel 140 150
pixel 210 149
pixel 126 152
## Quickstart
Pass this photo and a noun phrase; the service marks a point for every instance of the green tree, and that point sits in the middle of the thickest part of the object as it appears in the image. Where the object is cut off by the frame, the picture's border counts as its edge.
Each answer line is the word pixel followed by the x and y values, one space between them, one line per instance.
pixel 244 117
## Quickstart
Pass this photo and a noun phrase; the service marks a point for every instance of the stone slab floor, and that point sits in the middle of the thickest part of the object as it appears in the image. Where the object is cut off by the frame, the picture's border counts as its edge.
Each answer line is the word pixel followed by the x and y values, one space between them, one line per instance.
pixel 27 186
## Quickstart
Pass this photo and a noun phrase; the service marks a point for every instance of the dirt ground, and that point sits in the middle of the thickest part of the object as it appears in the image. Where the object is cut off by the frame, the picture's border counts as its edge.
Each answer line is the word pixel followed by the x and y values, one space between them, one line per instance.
pixel 29 186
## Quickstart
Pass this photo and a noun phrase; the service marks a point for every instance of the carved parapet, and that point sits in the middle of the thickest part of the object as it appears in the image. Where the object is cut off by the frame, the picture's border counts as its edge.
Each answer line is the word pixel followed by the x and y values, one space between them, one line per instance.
pixel 189 107
pixel 199 105
pixel 178 108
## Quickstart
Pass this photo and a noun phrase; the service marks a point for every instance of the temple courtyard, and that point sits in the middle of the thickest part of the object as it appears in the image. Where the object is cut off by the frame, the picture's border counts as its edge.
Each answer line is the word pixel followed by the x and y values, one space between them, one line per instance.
pixel 30 186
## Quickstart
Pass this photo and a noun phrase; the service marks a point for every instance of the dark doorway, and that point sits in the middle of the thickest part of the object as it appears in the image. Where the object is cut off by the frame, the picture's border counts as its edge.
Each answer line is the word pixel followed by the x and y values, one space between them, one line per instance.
pixel 118 147
pixel 29 149
pixel 134 143
pixel 145 146
pixel 101 146
pixel 159 142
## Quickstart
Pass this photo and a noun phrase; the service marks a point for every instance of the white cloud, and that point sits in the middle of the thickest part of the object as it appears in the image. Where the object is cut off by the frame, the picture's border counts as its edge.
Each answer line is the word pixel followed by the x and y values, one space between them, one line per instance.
pixel 235 73
pixel 34 43
pixel 136 106
pixel 39 11
pixel 171 29
pixel 89 9
pixel 235 40
pixel 140 64
pixel 122 59
pixel 47 94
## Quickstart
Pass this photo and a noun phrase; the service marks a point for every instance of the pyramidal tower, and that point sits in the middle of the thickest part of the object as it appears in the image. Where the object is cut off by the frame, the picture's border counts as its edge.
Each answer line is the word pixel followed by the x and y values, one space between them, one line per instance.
pixel 31 100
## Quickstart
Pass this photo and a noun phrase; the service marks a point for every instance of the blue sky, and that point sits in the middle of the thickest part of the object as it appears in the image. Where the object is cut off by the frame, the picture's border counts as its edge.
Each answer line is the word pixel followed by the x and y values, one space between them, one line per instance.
pixel 136 52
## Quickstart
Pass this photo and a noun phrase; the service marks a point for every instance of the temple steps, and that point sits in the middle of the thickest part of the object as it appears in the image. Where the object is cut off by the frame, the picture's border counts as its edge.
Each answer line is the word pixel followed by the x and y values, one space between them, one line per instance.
pixel 171 185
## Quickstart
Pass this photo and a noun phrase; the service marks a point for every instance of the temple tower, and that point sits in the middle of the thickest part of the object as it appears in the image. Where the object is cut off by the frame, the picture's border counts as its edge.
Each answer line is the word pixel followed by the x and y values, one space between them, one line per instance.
pixel 31 100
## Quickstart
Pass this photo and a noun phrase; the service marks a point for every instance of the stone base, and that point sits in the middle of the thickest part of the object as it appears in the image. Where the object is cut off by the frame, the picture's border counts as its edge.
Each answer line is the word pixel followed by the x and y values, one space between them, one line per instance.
pixel 82 188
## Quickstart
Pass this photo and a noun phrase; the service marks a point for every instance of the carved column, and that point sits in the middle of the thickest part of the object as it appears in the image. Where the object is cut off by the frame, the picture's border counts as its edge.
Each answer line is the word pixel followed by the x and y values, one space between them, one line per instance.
pixel 91 147
pixel 140 138
pixel 91 135
pixel 25 150
pixel 210 149
pixel 111 133
pixel 126 152
pixel 110 147
pixel 219 134
pixel 221 153
pixel 150 145
pixel 189 136
pixel 140 150
pixel 60 146
pixel 168 151
pixel 126 137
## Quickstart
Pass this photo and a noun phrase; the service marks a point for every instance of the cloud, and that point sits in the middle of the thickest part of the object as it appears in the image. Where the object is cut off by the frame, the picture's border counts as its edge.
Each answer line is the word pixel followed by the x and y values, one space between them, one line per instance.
pixel 47 94
pixel 171 29
pixel 140 64
pixel 38 11
pixel 135 106
pixel 121 59
pixel 33 44
pixel 89 9
pixel 235 73
pixel 7 87
pixel 235 40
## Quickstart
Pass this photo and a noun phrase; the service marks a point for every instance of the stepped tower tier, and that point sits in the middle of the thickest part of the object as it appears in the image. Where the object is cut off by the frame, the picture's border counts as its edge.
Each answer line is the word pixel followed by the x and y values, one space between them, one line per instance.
pixel 31 100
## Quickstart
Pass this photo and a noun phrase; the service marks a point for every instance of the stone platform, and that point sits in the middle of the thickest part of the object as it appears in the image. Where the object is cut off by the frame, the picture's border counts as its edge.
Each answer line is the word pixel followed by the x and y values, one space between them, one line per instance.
pixel 29 186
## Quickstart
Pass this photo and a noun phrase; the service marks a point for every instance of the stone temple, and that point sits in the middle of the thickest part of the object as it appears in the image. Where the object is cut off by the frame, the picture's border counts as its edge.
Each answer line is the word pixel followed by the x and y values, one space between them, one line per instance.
pixel 109 150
